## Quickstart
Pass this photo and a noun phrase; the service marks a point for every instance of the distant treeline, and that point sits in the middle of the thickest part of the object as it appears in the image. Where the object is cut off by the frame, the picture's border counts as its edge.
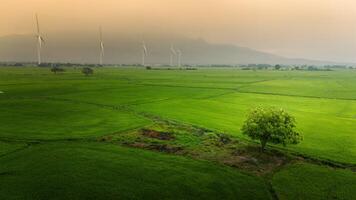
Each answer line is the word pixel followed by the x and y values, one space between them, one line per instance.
pixel 170 68
pixel 52 65
pixel 294 67
pixel 191 67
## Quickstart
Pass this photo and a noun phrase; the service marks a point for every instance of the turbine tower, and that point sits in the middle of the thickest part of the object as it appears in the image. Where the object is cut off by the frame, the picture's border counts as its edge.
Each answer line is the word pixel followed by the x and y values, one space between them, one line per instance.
pixel 101 56
pixel 179 57
pixel 144 53
pixel 40 41
pixel 173 53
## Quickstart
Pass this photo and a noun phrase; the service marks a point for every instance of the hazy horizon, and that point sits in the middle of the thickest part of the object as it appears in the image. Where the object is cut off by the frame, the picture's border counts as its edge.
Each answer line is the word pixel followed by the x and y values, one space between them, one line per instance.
pixel 315 29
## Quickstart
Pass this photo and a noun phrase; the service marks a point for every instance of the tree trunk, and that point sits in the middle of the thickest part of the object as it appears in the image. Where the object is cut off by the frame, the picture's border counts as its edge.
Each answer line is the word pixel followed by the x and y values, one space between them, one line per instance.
pixel 263 144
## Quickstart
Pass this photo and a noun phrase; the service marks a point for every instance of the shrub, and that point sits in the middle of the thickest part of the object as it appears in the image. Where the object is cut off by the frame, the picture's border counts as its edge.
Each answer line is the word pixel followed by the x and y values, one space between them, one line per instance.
pixel 57 69
pixel 87 71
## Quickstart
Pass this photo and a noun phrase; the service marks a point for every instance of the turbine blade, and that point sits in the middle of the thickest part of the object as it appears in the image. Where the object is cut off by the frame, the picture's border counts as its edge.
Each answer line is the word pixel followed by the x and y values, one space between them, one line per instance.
pixel 41 38
pixel 102 48
pixel 145 51
pixel 173 51
pixel 38 25
pixel 101 34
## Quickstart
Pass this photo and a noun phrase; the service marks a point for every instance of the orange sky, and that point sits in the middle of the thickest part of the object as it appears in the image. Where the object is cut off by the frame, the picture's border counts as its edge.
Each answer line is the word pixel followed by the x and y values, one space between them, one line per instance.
pixel 297 28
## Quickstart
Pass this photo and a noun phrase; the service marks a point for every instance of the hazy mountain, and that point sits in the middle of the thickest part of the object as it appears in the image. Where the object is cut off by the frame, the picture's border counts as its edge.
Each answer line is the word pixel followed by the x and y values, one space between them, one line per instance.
pixel 84 48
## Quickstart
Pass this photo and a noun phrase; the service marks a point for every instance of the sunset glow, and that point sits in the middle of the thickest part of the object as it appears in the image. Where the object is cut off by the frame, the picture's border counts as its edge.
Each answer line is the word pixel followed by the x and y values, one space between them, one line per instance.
pixel 317 29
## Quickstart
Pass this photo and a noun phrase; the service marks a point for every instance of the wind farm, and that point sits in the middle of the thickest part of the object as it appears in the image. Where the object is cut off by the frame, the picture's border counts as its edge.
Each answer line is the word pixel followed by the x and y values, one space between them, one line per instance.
pixel 132 100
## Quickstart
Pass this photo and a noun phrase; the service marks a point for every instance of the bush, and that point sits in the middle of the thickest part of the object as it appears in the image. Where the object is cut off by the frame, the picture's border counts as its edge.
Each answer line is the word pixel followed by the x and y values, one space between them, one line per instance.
pixel 87 71
pixel 57 69
pixel 277 67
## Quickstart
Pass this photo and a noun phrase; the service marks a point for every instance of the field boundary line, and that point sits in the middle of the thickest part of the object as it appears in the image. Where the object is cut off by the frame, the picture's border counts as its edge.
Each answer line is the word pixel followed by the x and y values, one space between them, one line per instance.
pixel 237 90
pixel 292 95
pixel 28 145
pixel 182 86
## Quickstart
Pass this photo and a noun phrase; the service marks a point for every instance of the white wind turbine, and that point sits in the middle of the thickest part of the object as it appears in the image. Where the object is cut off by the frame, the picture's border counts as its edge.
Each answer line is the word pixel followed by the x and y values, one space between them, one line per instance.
pixel 144 53
pixel 101 58
pixel 179 57
pixel 173 53
pixel 40 41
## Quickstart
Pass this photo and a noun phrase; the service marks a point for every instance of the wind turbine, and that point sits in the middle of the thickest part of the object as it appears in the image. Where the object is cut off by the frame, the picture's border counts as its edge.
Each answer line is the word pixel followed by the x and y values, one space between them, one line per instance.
pixel 173 53
pixel 144 53
pixel 101 47
pixel 179 53
pixel 40 41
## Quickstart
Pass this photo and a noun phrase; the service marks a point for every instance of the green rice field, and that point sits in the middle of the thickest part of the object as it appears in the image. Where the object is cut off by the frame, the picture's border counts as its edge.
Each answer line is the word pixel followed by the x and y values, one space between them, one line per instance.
pixel 53 125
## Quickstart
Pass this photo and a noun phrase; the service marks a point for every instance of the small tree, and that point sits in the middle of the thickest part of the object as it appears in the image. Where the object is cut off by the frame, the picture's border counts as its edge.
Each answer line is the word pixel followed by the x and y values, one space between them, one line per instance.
pixel 87 71
pixel 271 125
pixel 57 69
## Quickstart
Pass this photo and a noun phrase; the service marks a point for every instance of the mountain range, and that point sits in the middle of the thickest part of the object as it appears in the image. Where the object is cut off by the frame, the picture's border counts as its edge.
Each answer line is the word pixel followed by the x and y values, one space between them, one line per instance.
pixel 84 48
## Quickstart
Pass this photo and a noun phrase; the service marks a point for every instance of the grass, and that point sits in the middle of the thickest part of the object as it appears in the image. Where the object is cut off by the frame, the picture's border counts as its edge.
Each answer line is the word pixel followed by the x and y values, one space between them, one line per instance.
pixel 51 120
pixel 10 147
pixel 305 181
pixel 39 107
pixel 101 171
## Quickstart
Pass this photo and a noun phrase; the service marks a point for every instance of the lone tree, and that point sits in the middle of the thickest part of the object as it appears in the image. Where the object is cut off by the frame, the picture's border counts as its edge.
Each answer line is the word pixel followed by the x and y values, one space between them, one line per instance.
pixel 57 69
pixel 271 125
pixel 87 71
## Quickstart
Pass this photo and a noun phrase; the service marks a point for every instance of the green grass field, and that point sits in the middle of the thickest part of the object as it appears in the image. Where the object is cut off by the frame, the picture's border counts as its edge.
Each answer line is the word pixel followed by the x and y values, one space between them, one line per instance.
pixel 311 182
pixel 51 124
pixel 92 171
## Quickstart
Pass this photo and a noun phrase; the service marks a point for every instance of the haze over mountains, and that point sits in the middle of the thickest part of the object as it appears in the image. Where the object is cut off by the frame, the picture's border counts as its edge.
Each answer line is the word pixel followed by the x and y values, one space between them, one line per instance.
pixel 120 49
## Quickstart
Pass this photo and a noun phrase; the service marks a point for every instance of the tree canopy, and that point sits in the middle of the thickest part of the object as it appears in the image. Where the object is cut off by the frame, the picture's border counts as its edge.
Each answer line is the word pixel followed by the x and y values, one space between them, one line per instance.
pixel 271 125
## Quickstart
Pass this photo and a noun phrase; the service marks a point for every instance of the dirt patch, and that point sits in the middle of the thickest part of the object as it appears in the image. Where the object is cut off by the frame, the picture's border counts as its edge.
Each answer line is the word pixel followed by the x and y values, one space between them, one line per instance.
pixel 224 139
pixel 165 148
pixel 157 134
pixel 137 145
pixel 203 144
pixel 158 147
pixel 252 159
